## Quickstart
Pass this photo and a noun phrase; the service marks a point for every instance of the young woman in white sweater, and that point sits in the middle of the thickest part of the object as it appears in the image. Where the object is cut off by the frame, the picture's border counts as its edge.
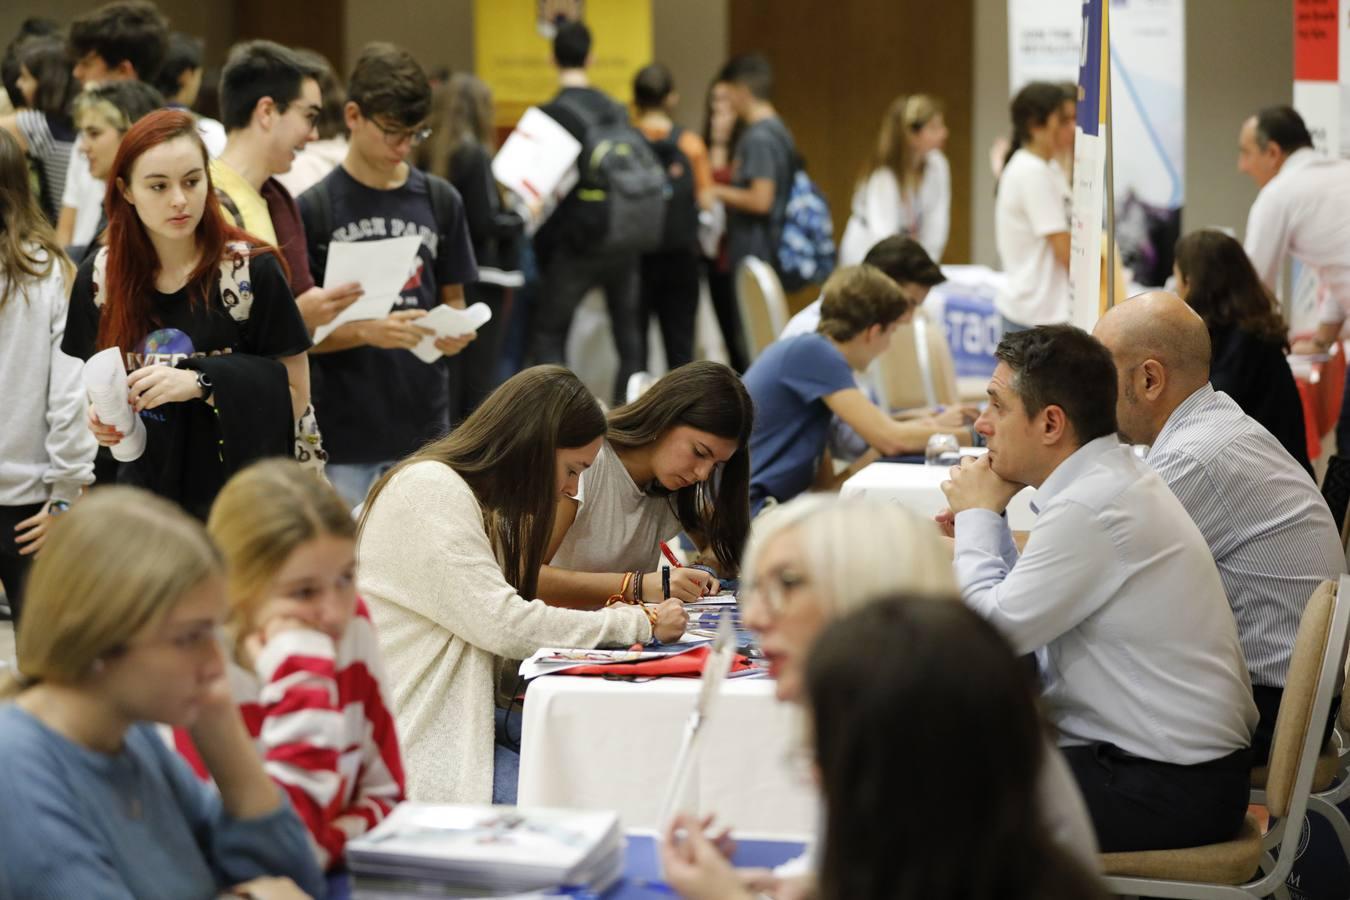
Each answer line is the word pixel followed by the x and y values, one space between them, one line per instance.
pixel 906 187
pixel 676 459
pixel 46 452
pixel 448 558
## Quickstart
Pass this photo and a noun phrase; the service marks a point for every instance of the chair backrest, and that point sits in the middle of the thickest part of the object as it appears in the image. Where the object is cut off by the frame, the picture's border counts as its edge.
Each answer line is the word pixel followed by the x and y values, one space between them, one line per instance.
pixel 763 305
pixel 1316 672
pixel 917 369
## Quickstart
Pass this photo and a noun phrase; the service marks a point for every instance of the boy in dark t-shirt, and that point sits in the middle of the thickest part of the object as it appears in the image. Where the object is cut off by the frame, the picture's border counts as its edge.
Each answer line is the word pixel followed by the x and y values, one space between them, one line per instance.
pixel 375 400
pixel 762 165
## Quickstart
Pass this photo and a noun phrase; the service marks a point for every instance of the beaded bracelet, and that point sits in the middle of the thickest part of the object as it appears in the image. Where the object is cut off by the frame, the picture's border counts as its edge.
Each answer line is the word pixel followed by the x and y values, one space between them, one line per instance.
pixel 637 585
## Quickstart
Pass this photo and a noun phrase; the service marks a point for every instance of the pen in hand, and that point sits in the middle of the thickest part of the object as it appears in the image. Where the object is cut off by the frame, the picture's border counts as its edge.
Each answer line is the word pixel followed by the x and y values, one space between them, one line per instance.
pixel 665 582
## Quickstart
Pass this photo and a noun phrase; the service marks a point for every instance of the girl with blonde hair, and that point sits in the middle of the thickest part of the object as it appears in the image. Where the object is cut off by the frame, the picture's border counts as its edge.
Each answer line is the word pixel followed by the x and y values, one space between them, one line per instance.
pixel 906 186
pixel 124 603
pixel 305 667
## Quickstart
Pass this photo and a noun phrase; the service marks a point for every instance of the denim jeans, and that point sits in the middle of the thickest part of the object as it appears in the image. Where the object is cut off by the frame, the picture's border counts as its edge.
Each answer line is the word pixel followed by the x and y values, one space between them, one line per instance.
pixel 506 757
pixel 353 480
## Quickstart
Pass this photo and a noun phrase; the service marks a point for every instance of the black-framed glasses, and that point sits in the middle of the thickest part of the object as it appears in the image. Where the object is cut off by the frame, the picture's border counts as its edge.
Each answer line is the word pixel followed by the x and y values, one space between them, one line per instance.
pixel 395 136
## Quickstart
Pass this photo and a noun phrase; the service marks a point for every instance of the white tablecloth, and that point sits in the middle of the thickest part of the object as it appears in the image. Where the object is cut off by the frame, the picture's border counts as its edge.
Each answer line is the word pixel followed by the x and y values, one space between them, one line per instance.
pixel 597 744
pixel 918 487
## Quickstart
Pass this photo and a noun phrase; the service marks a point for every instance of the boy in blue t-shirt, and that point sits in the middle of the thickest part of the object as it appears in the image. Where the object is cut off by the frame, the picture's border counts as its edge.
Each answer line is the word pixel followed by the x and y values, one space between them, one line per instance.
pixel 798 383
pixel 376 402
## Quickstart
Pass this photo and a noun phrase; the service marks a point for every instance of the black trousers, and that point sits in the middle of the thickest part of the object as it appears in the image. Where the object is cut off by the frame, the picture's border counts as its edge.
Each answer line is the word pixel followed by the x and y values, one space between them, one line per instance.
pixel 1140 804
pixel 1268 702
pixel 722 292
pixel 13 567
pixel 567 277
pixel 670 292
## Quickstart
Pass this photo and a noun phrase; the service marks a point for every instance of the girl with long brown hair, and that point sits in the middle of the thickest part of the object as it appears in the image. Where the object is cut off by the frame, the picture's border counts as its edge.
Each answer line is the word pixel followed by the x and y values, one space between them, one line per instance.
pixel 217 363
pixel 48 454
pixel 906 186
pixel 676 459
pixel 448 557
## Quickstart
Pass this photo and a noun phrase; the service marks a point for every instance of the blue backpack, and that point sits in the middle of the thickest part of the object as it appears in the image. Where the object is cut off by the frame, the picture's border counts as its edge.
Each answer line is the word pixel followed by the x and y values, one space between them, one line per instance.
pixel 806 253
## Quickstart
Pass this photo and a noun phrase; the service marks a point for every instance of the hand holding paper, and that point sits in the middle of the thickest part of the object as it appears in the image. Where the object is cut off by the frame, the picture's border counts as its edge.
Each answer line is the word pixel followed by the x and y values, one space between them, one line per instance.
pixel 380 267
pixel 105 380
pixel 448 321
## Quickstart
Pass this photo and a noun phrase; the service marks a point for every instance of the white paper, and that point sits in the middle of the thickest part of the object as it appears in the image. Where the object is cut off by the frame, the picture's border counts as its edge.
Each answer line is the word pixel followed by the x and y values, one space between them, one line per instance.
pixel 381 268
pixel 105 380
pixel 447 321
pixel 537 157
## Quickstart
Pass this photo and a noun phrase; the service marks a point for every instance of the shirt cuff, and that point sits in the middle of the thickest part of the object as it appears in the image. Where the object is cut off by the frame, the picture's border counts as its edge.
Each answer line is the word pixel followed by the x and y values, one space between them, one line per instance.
pixel 288 644
pixel 67 491
pixel 981 529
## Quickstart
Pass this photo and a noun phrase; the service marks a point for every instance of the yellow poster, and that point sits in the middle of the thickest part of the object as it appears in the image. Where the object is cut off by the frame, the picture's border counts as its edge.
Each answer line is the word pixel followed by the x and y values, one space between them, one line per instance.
pixel 513 49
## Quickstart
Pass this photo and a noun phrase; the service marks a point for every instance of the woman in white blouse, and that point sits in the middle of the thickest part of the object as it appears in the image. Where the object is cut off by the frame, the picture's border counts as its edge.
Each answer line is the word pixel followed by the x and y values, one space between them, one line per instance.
pixel 906 187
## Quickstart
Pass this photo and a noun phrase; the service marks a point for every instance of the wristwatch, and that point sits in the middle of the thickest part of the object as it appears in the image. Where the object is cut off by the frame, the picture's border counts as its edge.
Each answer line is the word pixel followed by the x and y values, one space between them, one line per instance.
pixel 56 507
pixel 204 382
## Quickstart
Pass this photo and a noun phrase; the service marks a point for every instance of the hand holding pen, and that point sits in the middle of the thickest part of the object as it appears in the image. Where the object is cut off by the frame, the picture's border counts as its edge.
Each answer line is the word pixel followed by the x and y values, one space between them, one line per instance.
pixel 687 583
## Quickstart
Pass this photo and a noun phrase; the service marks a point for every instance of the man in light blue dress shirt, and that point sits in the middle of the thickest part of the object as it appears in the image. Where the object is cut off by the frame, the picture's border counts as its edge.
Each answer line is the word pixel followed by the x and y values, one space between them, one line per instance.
pixel 1115 593
pixel 1266 523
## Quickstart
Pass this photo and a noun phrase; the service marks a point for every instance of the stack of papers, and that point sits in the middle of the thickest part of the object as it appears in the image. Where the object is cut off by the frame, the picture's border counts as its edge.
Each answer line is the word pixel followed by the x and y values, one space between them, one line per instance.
pixel 551 660
pixel 486 851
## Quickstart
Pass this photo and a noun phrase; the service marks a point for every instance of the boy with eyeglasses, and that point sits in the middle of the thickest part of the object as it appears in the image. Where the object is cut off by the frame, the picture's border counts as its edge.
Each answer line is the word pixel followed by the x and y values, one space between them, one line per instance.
pixel 377 401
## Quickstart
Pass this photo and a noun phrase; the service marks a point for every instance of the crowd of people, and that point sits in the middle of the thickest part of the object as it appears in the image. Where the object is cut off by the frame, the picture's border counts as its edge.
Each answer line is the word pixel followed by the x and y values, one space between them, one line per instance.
pixel 241 646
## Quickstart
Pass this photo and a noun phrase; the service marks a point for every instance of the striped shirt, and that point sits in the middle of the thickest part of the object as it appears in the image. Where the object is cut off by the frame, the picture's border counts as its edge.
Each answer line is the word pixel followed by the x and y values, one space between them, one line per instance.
pixel 50 141
pixel 1269 529
pixel 321 723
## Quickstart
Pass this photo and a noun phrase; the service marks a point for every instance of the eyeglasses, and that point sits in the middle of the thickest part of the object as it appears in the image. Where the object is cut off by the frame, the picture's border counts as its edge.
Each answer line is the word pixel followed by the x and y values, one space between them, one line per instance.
pixel 395 136
pixel 773 591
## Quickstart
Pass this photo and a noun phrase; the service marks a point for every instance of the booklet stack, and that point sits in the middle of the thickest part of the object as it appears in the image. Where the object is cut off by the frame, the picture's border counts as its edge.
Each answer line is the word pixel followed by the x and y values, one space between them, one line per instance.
pixel 486 851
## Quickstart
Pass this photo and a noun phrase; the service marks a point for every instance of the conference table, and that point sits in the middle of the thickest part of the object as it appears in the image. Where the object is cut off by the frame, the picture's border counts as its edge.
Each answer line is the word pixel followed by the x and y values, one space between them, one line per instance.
pixel 594 743
pixel 918 487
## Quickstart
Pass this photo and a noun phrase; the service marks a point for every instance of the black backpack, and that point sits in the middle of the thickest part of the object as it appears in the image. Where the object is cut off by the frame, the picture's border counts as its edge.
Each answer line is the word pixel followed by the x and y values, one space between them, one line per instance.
pixel 681 224
pixel 620 182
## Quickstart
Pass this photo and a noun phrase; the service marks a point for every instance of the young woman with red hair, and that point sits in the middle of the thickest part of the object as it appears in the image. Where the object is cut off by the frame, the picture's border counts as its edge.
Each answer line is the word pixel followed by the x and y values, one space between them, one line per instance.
pixel 208 329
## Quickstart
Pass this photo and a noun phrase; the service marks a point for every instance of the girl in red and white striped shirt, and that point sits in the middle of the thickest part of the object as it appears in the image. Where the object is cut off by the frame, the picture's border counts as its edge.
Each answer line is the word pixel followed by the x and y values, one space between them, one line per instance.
pixel 305 665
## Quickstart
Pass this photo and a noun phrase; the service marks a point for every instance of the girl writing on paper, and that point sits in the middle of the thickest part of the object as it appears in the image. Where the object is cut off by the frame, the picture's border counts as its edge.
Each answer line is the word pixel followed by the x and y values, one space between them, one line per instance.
pixel 123 606
pixel 820 557
pixel 304 664
pixel 217 364
pixel 906 187
pixel 448 555
pixel 47 451
pixel 675 459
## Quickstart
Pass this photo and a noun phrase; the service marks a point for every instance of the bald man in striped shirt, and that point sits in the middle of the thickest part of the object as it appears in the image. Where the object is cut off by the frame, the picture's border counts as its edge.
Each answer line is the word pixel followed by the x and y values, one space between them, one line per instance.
pixel 1270 531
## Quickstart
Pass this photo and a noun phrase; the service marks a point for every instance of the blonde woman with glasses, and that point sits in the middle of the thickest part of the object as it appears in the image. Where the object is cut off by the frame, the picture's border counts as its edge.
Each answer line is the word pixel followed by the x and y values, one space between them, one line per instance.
pixel 906 186
pixel 819 557
pixel 123 607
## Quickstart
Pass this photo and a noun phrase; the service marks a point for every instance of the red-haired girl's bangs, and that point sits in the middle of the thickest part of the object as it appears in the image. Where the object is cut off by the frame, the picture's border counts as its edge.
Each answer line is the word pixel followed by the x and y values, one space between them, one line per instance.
pixel 132 261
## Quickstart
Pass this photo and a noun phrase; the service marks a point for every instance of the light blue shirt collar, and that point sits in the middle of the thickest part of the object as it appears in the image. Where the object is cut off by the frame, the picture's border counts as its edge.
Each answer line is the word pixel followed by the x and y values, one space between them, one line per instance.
pixel 1067 472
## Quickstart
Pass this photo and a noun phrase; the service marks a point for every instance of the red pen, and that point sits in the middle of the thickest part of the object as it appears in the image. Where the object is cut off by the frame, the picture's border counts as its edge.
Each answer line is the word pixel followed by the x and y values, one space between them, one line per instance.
pixel 670 555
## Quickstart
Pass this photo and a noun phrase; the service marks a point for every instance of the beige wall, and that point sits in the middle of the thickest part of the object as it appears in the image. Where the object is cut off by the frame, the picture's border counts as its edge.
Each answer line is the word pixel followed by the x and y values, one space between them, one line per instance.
pixel 690 36
pixel 1239 57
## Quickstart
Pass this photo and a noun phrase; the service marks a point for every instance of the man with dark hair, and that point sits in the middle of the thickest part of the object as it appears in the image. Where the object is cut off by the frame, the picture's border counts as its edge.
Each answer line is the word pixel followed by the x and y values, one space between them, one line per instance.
pixel 1116 594
pixel 1267 526
pixel 670 282
pixel 1303 211
pixel 126 39
pixel 762 165
pixel 180 81
pixel 570 264
pixel 269 96
pixel 797 384
pixel 375 400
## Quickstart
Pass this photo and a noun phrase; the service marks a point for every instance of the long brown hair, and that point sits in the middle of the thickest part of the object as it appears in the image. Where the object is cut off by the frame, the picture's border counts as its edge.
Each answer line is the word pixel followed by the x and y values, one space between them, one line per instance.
pixel 1224 289
pixel 903 118
pixel 132 260
pixel 710 397
pixel 461 113
pixel 505 450
pixel 28 246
